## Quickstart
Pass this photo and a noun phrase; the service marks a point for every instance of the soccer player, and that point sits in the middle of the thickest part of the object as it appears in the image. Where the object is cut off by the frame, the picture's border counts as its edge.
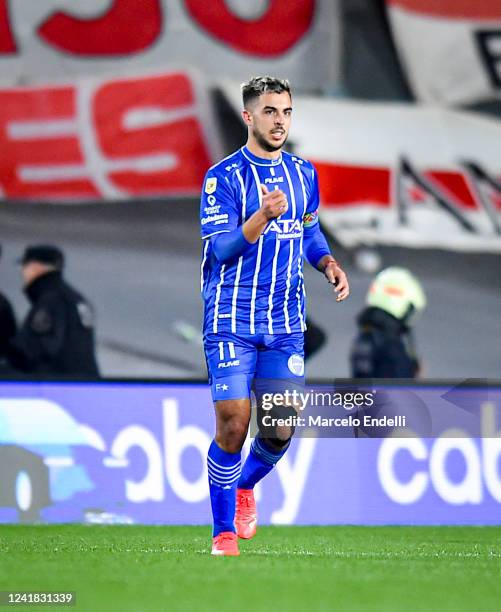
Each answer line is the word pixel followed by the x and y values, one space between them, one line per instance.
pixel 259 219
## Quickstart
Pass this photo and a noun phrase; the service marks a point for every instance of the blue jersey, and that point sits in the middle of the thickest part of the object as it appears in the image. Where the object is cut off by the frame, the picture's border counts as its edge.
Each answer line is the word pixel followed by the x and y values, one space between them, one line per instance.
pixel 262 290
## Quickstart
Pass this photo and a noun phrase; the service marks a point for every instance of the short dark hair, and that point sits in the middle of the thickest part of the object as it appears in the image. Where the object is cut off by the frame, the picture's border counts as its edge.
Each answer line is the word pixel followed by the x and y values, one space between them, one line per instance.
pixel 257 86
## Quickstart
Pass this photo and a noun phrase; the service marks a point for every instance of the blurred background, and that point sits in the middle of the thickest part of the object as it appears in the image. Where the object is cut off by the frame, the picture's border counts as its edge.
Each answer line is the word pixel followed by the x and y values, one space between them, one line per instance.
pixel 107 131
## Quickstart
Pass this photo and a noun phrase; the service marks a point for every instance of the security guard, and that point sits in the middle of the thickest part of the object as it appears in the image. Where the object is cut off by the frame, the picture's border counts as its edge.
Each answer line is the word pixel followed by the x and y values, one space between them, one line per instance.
pixel 384 346
pixel 8 326
pixel 314 339
pixel 57 336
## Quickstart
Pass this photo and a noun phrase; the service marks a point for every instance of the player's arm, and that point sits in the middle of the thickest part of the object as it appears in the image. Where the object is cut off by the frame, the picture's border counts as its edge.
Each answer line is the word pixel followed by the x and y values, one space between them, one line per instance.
pixel 316 249
pixel 220 217
pixel 317 252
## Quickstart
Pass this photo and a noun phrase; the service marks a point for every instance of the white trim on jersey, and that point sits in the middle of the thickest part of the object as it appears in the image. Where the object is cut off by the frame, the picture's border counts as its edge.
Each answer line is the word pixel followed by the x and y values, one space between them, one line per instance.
pixel 303 188
pixel 235 296
pixel 300 263
pixel 258 258
pixel 220 162
pixel 291 189
pixel 272 286
pixel 301 284
pixel 223 231
pixel 204 259
pixel 271 163
pixel 254 285
pixel 288 287
pixel 291 251
pixel 240 259
pixel 244 194
pixel 218 297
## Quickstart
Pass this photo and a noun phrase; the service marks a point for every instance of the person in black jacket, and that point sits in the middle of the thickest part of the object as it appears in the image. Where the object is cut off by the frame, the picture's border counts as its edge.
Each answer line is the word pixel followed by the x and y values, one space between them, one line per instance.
pixel 57 336
pixel 384 346
pixel 8 326
pixel 314 339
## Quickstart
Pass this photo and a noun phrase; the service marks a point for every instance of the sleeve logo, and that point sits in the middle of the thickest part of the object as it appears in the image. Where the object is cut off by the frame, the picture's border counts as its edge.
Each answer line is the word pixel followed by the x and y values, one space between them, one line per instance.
pixel 310 219
pixel 210 185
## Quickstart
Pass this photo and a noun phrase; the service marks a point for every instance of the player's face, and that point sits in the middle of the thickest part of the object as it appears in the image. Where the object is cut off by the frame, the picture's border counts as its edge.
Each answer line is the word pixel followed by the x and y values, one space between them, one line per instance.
pixel 268 119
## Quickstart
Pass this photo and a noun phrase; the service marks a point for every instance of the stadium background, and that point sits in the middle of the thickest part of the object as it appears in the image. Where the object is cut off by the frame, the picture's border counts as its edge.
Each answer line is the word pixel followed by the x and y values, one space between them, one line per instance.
pixel 127 122
pixel 106 131
pixel 105 134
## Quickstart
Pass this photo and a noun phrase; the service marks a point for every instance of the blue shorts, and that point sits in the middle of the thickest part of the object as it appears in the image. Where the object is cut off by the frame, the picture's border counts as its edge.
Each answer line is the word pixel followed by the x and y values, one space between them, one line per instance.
pixel 235 362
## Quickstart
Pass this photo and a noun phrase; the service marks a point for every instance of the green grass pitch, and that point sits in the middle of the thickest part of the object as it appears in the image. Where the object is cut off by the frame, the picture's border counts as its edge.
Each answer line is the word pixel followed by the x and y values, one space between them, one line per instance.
pixel 133 568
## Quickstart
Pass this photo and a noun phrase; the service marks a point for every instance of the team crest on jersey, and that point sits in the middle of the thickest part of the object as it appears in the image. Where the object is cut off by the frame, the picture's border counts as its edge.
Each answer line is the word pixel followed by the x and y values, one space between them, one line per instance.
pixel 310 219
pixel 210 185
pixel 296 364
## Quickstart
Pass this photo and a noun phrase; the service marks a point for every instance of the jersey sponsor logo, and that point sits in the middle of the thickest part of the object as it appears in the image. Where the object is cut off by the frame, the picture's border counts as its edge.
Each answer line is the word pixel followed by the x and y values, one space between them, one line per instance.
pixel 228 168
pixel 310 219
pixel 216 219
pixel 212 210
pixel 296 364
pixel 274 179
pixel 285 229
pixel 210 185
pixel 229 364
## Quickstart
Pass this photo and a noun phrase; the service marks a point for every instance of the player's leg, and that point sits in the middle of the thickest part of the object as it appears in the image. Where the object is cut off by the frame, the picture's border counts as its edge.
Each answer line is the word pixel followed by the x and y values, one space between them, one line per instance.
pixel 224 461
pixel 279 368
pixel 231 366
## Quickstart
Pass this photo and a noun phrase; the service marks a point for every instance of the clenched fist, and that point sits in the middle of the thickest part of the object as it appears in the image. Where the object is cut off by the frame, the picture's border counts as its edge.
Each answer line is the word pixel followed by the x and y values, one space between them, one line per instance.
pixel 274 203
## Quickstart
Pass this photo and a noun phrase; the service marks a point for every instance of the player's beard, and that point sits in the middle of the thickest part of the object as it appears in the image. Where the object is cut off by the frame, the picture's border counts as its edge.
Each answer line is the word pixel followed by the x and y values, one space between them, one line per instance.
pixel 265 144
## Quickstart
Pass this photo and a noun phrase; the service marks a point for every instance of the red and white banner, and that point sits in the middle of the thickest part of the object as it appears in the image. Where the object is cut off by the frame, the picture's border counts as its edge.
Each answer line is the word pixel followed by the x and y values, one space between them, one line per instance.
pixel 401 174
pixel 46 39
pixel 111 139
pixel 450 49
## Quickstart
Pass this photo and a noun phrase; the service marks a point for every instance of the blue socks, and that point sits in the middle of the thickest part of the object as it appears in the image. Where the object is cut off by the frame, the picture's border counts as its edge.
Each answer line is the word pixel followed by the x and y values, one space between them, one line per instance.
pixel 261 460
pixel 224 471
pixel 225 477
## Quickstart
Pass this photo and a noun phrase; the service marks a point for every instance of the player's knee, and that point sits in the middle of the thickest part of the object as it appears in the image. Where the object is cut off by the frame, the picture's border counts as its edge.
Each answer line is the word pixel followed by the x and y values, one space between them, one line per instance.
pixel 279 443
pixel 236 430
pixel 277 425
pixel 283 435
pixel 231 434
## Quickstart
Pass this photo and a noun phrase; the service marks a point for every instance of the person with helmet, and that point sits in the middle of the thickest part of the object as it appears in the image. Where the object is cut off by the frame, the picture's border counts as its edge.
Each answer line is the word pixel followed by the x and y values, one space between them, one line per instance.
pixel 384 346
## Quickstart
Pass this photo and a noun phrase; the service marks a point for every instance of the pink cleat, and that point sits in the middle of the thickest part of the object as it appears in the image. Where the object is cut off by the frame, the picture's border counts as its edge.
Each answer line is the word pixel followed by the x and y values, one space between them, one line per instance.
pixel 225 544
pixel 246 514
